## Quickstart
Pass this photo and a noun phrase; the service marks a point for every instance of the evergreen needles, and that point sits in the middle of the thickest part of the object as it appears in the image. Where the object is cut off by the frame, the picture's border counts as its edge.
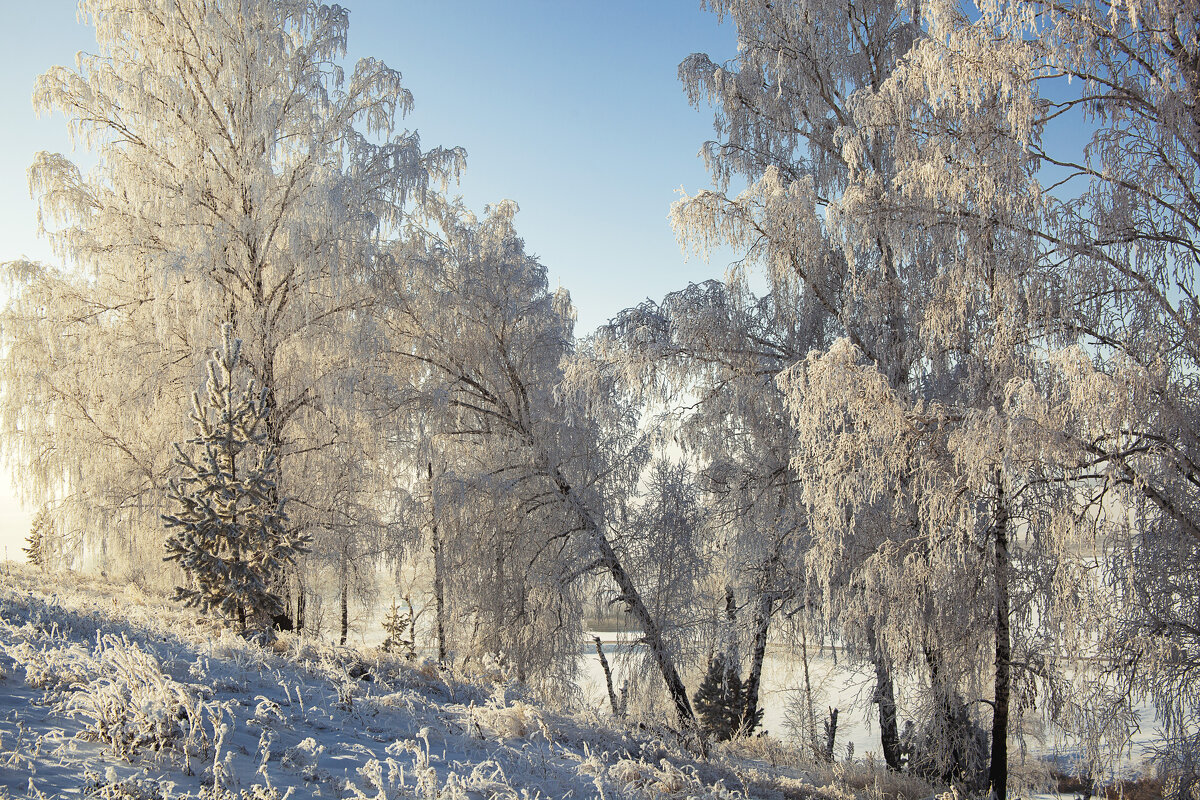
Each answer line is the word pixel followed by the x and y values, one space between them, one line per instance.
pixel 721 702
pixel 230 534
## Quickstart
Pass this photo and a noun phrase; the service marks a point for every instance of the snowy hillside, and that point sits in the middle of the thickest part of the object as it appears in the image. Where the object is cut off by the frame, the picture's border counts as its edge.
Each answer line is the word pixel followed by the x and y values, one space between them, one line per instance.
pixel 110 692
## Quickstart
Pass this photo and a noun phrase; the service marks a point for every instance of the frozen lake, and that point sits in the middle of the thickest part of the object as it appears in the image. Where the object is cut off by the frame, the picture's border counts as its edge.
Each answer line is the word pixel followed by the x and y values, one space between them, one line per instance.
pixel 833 684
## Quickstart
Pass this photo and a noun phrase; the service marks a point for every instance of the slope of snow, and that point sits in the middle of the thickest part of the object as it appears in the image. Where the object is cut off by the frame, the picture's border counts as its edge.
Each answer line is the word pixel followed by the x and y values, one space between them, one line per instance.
pixel 111 692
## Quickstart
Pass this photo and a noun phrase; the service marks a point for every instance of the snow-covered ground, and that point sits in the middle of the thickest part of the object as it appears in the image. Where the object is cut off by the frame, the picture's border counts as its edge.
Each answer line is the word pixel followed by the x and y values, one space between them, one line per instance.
pixel 113 692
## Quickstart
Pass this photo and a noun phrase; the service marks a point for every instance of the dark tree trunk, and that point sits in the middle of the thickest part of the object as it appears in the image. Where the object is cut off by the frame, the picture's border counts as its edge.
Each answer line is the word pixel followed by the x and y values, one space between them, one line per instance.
pixel 885 696
pixel 612 695
pixel 519 655
pixel 651 634
pixel 438 584
pixel 830 735
pixel 345 608
pixel 999 761
pixel 300 603
pixel 762 624
pixel 731 664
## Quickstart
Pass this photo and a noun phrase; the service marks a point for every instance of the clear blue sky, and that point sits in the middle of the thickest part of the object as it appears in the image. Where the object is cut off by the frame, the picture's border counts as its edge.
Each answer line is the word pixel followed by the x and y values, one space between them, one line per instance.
pixel 571 108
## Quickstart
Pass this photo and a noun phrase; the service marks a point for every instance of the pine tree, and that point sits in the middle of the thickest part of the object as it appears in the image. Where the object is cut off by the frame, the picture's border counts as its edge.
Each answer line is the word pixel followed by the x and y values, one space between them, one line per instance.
pixel 396 625
pixel 721 702
pixel 230 533
pixel 41 529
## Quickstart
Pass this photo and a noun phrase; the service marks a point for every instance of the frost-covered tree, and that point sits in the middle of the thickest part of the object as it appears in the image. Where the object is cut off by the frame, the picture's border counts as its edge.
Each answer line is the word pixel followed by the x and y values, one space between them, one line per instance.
pixel 891 179
pixel 1109 254
pixel 533 431
pixel 398 629
pixel 1124 242
pixel 40 540
pixel 780 109
pixel 720 700
pixel 230 533
pixel 242 176
pixel 476 341
pixel 710 355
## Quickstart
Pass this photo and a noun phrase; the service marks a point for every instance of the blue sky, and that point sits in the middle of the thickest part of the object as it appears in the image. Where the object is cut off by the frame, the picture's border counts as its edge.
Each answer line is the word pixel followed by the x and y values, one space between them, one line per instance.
pixel 571 108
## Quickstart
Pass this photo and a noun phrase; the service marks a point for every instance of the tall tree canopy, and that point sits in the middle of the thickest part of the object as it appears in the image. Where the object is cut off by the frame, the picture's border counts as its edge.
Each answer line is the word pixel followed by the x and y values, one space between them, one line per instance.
pixel 241 177
pixel 893 155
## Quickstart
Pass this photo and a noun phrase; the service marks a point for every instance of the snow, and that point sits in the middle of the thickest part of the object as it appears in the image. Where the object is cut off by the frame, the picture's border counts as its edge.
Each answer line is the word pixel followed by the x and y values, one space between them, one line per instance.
pixel 110 691
pixel 835 685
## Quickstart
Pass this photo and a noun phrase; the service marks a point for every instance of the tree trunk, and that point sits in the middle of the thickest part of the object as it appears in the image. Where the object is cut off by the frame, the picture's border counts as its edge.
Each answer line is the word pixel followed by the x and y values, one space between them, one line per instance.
pixel 810 720
pixel 732 663
pixel 300 603
pixel 999 762
pixel 345 607
pixel 651 633
pixel 830 735
pixel 762 624
pixel 612 695
pixel 438 584
pixel 885 696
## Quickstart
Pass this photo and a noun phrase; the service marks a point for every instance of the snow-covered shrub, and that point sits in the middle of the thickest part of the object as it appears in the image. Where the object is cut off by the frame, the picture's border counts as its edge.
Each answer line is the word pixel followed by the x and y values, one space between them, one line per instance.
pixel 131 705
pixel 845 780
pixel 516 720
pixel 767 749
pixel 387 786
pixel 640 778
pixel 111 787
pixel 490 669
pixel 51 668
pixel 303 757
pixel 391 780
pixel 255 792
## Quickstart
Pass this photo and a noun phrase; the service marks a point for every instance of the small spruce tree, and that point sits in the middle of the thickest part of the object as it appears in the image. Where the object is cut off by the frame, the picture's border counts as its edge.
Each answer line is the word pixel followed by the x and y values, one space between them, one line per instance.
pixel 397 625
pixel 721 701
pixel 36 543
pixel 230 534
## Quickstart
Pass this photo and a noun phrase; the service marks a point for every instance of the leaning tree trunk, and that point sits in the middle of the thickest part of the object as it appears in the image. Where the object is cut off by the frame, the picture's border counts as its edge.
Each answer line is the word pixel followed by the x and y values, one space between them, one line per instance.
pixel 998 775
pixel 612 695
pixel 632 598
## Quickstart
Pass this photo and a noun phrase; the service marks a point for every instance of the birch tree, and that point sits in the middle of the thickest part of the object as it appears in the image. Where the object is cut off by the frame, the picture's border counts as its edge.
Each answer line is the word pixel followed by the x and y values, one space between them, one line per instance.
pixel 241 177
pixel 229 530
pixel 709 355
pixel 779 110
pixel 1125 237
pixel 892 177
pixel 491 353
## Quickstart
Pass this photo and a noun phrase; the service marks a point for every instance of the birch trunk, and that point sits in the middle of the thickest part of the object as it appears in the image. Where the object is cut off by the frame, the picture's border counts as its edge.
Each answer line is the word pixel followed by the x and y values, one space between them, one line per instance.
pixel 651 634
pixel 345 606
pixel 438 581
pixel 612 695
pixel 885 696
pixel 762 624
pixel 998 775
